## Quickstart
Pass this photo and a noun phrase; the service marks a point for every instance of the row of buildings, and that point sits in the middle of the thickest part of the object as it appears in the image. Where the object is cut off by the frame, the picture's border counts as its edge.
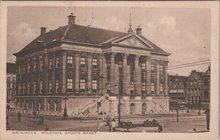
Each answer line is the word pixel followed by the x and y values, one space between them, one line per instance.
pixel 75 67
pixel 191 91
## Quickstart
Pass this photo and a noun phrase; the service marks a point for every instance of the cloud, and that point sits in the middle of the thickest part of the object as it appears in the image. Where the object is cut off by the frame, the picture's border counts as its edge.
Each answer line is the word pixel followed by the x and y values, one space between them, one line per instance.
pixel 111 23
pixel 184 46
pixel 23 29
pixel 18 37
pixel 168 20
pixel 195 40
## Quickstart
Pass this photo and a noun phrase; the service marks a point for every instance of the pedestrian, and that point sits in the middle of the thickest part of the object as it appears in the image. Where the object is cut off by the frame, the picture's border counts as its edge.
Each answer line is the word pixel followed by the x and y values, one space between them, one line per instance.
pixel 46 128
pixel 35 114
pixel 160 128
pixel 108 120
pixel 113 125
pixel 207 112
pixel 19 116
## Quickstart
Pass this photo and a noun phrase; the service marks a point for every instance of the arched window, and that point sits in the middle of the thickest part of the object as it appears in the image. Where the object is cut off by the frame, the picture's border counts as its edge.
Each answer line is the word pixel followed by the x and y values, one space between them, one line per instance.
pixel 32 105
pixel 55 106
pixel 27 105
pixel 39 106
pixel 48 106
pixel 144 108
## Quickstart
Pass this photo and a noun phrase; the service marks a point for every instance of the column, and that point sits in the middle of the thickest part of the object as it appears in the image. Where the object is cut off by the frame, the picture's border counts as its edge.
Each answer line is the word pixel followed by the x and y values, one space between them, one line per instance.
pixel 112 73
pixel 45 66
pixel 158 78
pixel 53 73
pixel 76 56
pixel 116 79
pixel 148 75
pixel 89 82
pixel 63 71
pixel 128 79
pixel 137 76
pixel 101 75
pixel 166 78
pixel 125 75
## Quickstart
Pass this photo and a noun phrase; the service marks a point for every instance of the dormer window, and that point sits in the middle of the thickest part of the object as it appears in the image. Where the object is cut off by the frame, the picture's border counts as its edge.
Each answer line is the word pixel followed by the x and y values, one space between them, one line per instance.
pixel 39 42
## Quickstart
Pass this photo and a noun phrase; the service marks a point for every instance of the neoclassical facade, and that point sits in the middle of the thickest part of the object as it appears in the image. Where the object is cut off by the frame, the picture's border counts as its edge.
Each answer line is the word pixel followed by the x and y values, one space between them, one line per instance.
pixel 78 66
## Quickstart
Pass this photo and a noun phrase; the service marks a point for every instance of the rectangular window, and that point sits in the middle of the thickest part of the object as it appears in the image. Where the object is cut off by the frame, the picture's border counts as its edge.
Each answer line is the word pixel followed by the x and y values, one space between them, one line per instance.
pixel 24 68
pixel 57 62
pixel 82 60
pixel 94 84
pixel 108 86
pixel 143 86
pixel 69 61
pixel 132 86
pixel 143 66
pixel 161 69
pixel 35 64
pixel 50 63
pixel 29 67
pixel 94 62
pixel 82 84
pixel 69 83
pixel 41 87
pixel 57 86
pixel 24 89
pixel 41 63
pixel 35 87
pixel 28 88
pixel 50 86
pixel 161 87
pixel 152 87
pixel 19 89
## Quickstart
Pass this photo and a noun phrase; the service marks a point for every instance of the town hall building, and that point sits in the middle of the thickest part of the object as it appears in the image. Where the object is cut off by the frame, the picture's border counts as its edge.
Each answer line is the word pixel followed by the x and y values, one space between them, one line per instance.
pixel 75 67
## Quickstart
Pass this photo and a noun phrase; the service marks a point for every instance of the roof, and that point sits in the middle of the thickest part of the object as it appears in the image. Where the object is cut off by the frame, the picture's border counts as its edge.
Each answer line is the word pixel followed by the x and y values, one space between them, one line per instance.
pixel 79 34
pixel 11 68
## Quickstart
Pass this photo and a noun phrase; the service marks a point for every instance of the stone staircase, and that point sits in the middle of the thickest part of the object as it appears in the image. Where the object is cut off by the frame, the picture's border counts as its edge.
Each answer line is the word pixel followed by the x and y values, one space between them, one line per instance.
pixel 86 110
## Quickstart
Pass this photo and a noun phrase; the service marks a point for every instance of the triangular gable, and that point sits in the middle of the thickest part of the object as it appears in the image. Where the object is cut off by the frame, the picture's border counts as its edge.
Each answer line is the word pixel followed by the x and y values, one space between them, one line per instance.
pixel 132 40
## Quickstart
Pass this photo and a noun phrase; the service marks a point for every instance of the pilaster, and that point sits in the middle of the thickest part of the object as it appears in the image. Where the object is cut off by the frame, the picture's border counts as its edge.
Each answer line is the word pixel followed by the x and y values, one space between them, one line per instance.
pixel 157 78
pixel 112 73
pixel 76 58
pixel 137 76
pixel 63 71
pixel 89 60
pixel 148 75
pixel 125 75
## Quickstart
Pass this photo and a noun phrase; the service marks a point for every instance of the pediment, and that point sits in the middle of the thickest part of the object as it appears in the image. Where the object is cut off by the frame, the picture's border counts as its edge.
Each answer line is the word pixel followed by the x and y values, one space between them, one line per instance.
pixel 132 41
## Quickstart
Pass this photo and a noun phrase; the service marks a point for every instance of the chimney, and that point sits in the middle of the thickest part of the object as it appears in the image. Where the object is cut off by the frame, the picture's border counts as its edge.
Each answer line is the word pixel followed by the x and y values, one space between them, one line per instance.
pixel 71 19
pixel 43 30
pixel 139 31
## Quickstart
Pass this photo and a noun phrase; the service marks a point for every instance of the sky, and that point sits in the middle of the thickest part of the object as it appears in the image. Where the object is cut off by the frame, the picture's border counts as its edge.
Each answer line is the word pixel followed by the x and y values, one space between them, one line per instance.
pixel 183 32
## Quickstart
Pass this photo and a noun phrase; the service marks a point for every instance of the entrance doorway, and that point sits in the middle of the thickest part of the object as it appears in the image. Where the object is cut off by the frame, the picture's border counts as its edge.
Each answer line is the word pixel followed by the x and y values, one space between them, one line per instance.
pixel 132 108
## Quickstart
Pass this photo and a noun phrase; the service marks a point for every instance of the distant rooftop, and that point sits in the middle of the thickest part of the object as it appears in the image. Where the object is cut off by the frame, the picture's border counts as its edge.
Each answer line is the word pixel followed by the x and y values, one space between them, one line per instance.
pixel 11 68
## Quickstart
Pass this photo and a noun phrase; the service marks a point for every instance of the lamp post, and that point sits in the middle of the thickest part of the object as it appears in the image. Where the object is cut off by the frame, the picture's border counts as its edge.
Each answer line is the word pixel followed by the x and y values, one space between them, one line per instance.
pixel 99 104
pixel 177 112
pixel 119 95
pixel 65 115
